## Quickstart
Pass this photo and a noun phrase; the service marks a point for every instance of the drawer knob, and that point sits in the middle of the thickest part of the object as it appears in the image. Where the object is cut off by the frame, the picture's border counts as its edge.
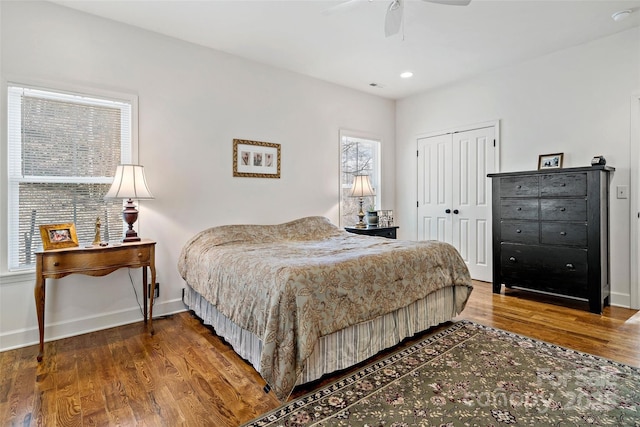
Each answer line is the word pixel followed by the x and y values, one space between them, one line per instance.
pixel 518 231
pixel 563 209
pixel 519 209
pixel 512 259
pixel 571 266
pixel 563 233
pixel 564 184
pixel 139 254
pixel 55 264
pixel 518 186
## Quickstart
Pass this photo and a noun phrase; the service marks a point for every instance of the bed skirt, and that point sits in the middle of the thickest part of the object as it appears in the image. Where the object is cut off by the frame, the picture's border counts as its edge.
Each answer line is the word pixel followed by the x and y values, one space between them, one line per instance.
pixel 349 346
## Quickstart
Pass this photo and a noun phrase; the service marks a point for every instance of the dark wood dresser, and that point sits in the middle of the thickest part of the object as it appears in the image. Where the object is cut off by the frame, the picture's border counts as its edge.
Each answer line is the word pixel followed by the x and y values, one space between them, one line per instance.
pixel 551 232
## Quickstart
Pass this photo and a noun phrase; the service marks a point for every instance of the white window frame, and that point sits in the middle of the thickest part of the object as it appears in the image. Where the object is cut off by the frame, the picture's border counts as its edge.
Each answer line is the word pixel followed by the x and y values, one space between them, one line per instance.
pixel 375 177
pixel 10 181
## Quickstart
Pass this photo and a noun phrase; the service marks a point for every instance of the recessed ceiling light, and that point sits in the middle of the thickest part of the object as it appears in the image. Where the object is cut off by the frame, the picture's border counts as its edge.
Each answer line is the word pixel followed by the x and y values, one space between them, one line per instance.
pixel 620 15
pixel 406 74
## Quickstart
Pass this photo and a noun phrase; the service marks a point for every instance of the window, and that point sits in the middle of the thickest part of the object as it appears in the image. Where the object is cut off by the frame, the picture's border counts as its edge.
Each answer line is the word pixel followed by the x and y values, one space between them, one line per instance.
pixel 358 156
pixel 63 150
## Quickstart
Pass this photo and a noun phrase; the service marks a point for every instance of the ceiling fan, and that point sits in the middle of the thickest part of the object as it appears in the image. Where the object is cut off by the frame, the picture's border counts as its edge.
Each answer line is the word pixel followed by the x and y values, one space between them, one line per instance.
pixel 394 15
pixel 393 18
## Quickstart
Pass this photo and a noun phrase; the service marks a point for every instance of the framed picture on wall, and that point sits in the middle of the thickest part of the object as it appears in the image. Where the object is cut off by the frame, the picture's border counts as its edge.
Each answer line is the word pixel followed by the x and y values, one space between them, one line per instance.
pixel 550 161
pixel 256 159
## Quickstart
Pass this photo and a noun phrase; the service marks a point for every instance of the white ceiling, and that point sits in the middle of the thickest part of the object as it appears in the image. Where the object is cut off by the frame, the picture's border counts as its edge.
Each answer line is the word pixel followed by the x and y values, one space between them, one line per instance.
pixel 345 43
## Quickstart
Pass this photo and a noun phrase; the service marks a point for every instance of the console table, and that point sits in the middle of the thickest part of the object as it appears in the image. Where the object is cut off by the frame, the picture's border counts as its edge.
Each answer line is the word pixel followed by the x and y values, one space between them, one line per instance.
pixel 93 261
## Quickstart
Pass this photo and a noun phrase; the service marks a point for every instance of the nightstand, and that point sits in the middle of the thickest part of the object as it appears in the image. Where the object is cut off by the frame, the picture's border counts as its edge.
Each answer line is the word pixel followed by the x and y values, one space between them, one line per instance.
pixel 94 261
pixel 388 232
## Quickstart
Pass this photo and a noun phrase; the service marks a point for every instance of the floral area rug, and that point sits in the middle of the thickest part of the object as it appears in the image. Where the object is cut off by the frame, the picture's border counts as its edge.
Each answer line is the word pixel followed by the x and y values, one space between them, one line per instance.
pixel 473 375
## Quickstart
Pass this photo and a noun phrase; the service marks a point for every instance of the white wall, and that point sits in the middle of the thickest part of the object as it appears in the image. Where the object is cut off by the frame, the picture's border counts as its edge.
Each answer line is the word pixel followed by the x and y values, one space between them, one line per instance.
pixel 192 102
pixel 576 101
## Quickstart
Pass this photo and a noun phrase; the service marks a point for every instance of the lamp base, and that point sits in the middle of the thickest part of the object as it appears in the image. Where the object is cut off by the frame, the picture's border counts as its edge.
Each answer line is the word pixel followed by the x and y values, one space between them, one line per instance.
pixel 360 223
pixel 132 238
pixel 130 216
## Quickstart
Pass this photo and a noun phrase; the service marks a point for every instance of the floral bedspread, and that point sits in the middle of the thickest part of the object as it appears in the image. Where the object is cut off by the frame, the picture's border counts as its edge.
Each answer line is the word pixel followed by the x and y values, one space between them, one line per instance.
pixel 292 283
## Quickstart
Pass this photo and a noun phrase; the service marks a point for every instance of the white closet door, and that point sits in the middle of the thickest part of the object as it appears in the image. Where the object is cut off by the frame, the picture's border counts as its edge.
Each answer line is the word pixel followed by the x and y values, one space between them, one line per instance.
pixel 434 188
pixel 454 194
pixel 473 160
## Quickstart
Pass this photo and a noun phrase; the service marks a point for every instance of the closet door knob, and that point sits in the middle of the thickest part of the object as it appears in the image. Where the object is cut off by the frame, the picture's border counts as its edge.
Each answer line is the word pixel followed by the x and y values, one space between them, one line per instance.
pixel 448 211
pixel 456 211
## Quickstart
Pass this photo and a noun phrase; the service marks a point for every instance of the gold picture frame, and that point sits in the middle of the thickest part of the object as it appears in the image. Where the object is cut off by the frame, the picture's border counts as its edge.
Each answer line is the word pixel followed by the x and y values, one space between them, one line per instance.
pixel 550 161
pixel 58 236
pixel 256 159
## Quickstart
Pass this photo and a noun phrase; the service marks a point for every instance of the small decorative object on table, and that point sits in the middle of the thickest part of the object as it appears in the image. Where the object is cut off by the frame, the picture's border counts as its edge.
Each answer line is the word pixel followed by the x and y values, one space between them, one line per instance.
pixel 372 217
pixel 58 236
pixel 385 218
pixel 96 238
pixel 598 160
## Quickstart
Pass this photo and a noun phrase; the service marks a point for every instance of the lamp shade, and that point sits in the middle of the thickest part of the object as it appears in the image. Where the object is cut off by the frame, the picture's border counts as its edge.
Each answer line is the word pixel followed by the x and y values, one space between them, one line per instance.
pixel 129 183
pixel 362 186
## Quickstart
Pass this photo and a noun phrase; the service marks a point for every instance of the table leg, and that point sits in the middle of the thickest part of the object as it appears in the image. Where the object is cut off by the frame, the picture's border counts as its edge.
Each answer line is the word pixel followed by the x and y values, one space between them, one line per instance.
pixel 144 291
pixel 39 294
pixel 152 267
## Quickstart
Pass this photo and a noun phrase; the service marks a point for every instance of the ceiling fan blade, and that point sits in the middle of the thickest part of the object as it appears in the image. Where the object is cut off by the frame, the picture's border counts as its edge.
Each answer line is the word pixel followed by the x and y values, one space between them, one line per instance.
pixel 393 19
pixel 450 2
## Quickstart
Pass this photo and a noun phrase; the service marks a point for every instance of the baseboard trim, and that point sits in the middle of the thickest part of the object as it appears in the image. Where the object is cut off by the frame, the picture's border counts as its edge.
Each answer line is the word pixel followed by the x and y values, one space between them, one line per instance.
pixel 620 300
pixel 55 331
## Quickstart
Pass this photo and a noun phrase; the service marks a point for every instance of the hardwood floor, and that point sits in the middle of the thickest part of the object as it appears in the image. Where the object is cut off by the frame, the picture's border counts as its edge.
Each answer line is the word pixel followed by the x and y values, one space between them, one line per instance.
pixel 186 375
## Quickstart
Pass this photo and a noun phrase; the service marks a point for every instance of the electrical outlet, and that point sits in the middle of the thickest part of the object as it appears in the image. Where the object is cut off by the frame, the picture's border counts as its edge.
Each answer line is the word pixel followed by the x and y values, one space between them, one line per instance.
pixel 622 191
pixel 157 290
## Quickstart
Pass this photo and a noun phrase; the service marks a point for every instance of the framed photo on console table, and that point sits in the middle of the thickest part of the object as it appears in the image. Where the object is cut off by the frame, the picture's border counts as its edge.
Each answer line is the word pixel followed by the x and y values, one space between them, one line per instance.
pixel 58 236
pixel 256 159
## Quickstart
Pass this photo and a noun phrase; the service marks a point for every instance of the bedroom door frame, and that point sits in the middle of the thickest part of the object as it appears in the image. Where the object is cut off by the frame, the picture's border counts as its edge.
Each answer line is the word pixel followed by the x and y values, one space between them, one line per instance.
pixel 496 163
pixel 634 214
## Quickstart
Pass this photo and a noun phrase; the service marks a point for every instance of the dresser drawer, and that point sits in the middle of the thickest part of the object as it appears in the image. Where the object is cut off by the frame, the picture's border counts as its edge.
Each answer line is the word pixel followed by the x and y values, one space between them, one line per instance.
pixel 519 209
pixel 563 233
pixel 567 267
pixel 519 263
pixel 563 209
pixel 519 186
pixel 53 263
pixel 519 231
pixel 567 184
pixel 544 268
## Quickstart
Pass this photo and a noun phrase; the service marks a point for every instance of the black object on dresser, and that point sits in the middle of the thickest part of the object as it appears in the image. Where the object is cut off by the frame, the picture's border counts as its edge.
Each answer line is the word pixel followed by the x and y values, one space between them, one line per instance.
pixel 551 232
pixel 388 232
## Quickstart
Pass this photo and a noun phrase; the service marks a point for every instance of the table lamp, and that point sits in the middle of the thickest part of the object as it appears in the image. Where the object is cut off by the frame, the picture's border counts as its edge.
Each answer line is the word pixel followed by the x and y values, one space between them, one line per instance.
pixel 129 183
pixel 361 188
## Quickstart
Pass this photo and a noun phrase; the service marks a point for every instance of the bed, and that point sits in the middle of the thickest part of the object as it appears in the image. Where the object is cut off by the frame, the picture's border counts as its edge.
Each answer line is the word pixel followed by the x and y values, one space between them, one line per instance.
pixel 304 298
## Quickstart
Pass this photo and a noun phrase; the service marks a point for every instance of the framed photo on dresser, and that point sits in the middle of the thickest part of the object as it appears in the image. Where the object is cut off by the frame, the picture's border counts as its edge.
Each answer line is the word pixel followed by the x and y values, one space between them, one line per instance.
pixel 550 161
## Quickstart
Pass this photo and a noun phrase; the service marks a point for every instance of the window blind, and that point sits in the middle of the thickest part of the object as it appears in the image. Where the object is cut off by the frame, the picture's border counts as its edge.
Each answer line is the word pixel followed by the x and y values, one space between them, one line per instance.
pixel 63 151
